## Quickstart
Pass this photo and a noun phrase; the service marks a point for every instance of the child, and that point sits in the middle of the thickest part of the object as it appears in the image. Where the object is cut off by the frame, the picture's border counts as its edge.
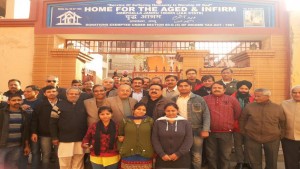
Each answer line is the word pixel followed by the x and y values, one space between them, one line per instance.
pixel 101 139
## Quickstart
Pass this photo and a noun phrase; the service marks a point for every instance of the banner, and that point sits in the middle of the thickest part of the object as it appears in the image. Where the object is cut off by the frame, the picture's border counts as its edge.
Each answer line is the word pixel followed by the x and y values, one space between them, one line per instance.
pixel 160 13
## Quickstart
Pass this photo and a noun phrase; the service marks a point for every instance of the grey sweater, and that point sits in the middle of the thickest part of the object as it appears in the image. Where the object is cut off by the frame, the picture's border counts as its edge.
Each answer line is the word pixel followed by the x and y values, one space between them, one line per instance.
pixel 168 138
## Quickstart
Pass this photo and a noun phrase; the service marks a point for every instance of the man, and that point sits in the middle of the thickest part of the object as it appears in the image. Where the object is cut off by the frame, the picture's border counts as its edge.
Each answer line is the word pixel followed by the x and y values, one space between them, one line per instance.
pixel 291 140
pixel 228 81
pixel 53 81
pixel 146 83
pixel 40 127
pixel 30 93
pixel 244 97
pixel 14 87
pixel 77 83
pixel 156 80
pixel 88 86
pixel 155 101
pixel 68 125
pixel 92 105
pixel 137 89
pixel 194 109
pixel 122 105
pixel 191 75
pixel 224 111
pixel 108 83
pixel 14 133
pixel 125 80
pixel 263 124
pixel 116 81
pixel 29 104
pixel 171 90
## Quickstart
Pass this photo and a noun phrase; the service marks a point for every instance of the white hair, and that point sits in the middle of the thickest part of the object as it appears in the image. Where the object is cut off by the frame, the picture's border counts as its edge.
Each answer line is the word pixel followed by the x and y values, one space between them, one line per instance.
pixel 295 87
pixel 265 92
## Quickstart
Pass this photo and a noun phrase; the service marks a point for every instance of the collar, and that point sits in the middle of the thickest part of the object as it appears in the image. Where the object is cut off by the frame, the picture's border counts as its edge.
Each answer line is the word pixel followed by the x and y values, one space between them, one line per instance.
pixel 175 88
pixel 188 96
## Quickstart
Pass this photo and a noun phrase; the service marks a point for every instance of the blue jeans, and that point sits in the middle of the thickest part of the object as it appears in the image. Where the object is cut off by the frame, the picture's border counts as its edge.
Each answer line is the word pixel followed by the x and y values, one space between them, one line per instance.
pixel 23 160
pixel 10 157
pixel 45 146
pixel 36 155
pixel 196 150
pixel 99 166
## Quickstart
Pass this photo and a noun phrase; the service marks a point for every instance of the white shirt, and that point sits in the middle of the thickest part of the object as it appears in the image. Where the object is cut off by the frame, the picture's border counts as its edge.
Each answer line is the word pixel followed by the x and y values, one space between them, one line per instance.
pixel 182 104
pixel 137 96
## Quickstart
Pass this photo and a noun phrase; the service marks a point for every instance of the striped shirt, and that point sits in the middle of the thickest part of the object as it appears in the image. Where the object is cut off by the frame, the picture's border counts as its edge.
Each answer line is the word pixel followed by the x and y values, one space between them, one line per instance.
pixel 14 129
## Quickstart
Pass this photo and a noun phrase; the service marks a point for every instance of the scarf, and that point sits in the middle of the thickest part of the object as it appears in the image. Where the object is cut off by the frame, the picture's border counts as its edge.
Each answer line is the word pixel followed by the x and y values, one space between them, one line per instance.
pixel 100 129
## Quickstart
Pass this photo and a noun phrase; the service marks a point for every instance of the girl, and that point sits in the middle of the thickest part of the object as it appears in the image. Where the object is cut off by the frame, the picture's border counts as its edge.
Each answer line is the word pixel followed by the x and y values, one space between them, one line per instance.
pixel 172 139
pixel 101 139
pixel 135 135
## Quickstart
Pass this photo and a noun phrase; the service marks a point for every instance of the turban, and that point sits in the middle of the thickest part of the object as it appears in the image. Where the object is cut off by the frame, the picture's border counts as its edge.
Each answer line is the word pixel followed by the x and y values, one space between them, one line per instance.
pixel 243 82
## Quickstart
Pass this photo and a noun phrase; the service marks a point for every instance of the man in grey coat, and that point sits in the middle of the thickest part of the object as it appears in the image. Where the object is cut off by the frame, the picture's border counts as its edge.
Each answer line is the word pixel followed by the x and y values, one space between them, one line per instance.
pixel 195 110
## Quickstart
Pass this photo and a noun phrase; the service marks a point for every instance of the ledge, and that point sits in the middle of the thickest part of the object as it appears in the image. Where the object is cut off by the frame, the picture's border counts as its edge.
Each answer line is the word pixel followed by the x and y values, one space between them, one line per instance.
pixel 191 54
pixel 17 23
pixel 253 54
pixel 71 53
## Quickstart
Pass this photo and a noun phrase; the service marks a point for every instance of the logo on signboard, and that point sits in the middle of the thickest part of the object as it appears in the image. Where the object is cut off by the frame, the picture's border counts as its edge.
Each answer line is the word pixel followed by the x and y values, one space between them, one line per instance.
pixel 69 18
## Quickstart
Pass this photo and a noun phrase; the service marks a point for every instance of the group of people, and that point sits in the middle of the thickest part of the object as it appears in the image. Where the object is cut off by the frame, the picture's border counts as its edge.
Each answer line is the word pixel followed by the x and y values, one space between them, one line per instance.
pixel 142 123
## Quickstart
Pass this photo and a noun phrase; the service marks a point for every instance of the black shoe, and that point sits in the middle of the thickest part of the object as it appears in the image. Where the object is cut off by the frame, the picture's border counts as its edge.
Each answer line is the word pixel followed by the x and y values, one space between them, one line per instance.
pixel 239 166
pixel 247 165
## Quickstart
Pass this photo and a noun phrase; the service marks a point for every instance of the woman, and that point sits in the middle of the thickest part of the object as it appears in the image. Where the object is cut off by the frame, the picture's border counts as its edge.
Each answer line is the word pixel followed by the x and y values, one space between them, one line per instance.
pixel 101 139
pixel 207 81
pixel 172 139
pixel 135 138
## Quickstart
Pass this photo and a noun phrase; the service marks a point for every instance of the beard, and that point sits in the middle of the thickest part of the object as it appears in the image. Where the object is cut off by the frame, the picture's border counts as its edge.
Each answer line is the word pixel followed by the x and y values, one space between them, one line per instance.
pixel 242 95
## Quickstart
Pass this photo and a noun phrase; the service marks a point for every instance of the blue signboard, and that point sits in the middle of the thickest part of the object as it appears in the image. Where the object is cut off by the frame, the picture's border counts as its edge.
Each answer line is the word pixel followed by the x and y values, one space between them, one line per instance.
pixel 160 13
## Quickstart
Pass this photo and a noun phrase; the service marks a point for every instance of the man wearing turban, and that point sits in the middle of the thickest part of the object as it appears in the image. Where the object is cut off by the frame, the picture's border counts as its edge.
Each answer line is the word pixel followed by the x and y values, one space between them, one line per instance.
pixel 243 96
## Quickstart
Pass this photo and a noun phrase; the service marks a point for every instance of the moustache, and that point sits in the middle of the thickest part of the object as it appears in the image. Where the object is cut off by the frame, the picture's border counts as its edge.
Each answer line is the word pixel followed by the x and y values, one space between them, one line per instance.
pixel 17 104
pixel 153 92
pixel 216 91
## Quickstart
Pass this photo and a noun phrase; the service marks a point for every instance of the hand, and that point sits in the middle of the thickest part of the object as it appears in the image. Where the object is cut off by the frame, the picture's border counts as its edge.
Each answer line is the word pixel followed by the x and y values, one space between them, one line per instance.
pixel 26 151
pixel 34 138
pixel 204 134
pixel 166 158
pixel 173 157
pixel 87 146
pixel 25 107
pixel 55 142
pixel 121 138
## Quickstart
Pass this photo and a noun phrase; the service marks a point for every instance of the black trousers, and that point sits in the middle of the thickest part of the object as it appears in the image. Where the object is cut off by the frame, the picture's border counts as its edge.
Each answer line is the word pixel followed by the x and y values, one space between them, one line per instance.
pixel 291 153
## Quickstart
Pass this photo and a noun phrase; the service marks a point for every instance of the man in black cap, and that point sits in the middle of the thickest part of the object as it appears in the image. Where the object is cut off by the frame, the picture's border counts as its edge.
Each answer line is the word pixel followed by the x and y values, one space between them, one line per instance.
pixel 243 96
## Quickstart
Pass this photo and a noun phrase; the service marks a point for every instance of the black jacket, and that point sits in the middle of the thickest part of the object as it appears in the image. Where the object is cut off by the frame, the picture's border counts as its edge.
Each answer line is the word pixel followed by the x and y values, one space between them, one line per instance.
pixel 4 125
pixel 40 123
pixel 69 123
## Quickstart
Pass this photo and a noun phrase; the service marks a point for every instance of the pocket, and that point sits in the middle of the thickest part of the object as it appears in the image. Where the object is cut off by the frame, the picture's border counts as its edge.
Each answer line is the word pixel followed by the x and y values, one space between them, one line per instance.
pixel 196 107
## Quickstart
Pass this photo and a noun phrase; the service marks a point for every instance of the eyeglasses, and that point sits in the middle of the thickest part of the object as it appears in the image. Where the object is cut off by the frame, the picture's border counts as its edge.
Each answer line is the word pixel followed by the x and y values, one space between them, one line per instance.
pixel 49 81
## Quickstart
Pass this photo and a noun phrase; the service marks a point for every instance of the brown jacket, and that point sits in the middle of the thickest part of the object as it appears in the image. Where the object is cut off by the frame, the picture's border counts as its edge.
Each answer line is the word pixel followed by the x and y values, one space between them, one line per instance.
pixel 115 103
pixel 263 122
